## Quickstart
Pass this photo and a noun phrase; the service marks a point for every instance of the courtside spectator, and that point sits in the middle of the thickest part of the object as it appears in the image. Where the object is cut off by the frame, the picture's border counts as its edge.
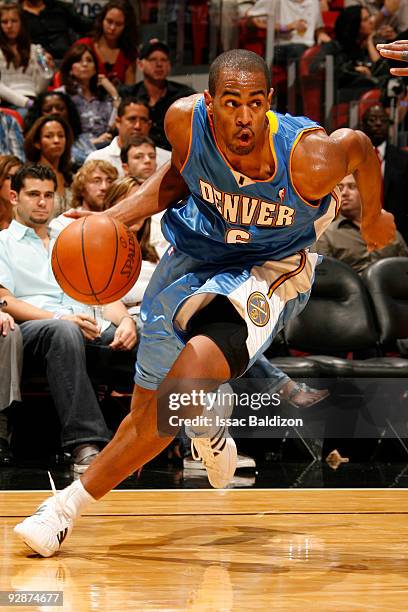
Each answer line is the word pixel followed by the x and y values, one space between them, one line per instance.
pixel 94 96
pixel 60 104
pixel 49 142
pixel 394 165
pixel 298 26
pixel 155 89
pixel 89 189
pixel 22 76
pixel 139 161
pixel 9 164
pixel 114 42
pixel 139 157
pixel 133 120
pixel 52 24
pixel 390 16
pixel 54 327
pixel 11 361
pixel 343 239
pixel 357 64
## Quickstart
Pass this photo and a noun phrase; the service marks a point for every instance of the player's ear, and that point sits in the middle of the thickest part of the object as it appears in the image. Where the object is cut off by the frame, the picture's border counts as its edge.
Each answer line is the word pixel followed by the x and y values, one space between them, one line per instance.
pixel 208 101
pixel 270 95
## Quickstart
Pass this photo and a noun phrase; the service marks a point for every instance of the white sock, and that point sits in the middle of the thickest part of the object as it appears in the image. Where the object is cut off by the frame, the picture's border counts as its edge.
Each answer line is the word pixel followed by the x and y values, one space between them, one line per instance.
pixel 75 499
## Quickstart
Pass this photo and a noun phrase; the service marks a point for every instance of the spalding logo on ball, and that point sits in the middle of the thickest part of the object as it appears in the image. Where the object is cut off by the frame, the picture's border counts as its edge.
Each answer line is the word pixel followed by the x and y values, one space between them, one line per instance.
pixel 96 260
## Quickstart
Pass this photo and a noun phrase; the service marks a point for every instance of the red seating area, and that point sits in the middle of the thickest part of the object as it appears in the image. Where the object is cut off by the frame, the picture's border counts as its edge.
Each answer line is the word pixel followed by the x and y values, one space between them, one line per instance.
pixel 329 19
pixel 311 86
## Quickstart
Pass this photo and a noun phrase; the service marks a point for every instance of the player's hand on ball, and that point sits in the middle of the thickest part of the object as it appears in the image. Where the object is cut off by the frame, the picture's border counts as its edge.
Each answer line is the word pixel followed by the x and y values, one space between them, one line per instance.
pixel 86 323
pixel 125 335
pixel 379 232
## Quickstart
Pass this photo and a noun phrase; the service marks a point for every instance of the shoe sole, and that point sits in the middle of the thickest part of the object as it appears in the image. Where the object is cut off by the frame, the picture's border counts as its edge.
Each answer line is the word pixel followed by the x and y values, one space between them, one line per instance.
pixel 242 464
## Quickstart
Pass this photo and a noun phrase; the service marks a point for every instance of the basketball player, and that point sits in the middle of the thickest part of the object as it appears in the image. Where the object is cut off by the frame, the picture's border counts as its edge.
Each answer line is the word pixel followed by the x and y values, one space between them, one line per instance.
pixel 258 191
pixel 397 50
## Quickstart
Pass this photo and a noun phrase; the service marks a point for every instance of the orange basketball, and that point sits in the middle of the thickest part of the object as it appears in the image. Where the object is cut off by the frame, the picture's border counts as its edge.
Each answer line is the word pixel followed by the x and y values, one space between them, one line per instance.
pixel 96 260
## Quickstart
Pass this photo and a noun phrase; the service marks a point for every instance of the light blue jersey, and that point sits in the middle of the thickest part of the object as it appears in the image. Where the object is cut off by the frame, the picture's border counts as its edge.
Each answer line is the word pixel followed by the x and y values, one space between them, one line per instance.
pixel 231 218
pixel 233 236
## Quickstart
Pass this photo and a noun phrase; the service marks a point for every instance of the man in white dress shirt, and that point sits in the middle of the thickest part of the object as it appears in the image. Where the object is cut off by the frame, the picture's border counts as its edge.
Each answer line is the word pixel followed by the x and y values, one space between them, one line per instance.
pixel 133 120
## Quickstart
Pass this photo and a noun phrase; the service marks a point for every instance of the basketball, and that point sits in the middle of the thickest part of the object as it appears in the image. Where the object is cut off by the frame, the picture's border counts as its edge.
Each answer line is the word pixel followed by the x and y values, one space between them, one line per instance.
pixel 96 260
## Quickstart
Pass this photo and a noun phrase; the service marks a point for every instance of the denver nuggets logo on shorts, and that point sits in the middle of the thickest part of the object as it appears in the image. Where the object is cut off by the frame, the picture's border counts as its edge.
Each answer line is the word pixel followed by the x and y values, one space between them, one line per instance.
pixel 258 309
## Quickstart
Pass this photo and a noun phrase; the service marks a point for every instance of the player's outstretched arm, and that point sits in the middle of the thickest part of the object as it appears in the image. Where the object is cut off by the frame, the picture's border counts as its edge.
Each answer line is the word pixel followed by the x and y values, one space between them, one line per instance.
pixel 166 186
pixel 320 162
pixel 397 50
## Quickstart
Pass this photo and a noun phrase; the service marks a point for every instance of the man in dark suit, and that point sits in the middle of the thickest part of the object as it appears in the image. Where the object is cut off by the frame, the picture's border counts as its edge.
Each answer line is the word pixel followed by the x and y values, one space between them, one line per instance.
pixel 394 166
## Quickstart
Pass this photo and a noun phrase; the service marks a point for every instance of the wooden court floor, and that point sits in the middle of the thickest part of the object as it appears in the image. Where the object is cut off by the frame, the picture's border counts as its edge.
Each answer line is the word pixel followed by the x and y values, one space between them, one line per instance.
pixel 206 550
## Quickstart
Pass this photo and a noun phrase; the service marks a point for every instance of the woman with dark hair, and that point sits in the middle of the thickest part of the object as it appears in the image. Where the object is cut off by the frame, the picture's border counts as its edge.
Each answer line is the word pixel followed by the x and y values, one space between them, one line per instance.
pixel 49 142
pixel 114 42
pixel 93 94
pixel 357 64
pixel 54 103
pixel 9 164
pixel 23 76
pixel 60 104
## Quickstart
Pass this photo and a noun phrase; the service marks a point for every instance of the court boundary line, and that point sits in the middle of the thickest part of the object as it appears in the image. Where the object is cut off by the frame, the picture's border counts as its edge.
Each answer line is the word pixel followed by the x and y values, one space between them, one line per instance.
pixel 243 490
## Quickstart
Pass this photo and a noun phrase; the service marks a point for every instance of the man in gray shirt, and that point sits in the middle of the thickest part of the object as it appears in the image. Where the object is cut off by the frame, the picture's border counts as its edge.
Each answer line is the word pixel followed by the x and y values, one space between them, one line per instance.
pixel 343 239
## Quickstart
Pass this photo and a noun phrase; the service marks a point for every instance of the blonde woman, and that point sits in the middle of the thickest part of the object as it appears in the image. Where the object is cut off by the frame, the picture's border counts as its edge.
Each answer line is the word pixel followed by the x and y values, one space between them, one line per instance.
pixel 119 190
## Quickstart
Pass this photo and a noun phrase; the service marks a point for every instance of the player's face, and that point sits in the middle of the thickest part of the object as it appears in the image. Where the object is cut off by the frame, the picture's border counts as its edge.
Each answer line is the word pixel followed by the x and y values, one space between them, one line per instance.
pixel 350 198
pixel 141 161
pixel 134 122
pixel 34 204
pixel 95 190
pixel 238 110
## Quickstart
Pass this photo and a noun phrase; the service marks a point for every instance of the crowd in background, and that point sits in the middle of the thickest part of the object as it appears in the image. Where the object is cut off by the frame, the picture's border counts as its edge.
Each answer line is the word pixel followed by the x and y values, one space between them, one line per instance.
pixel 70 102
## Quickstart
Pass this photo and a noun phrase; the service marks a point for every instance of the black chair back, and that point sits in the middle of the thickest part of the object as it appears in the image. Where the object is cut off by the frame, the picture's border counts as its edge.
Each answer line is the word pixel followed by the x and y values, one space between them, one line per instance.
pixel 338 317
pixel 387 283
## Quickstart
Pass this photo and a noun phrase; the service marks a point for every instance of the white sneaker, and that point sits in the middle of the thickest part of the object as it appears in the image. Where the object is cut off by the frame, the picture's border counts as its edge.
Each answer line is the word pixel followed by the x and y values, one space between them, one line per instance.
pixel 219 457
pixel 47 528
pixel 243 462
